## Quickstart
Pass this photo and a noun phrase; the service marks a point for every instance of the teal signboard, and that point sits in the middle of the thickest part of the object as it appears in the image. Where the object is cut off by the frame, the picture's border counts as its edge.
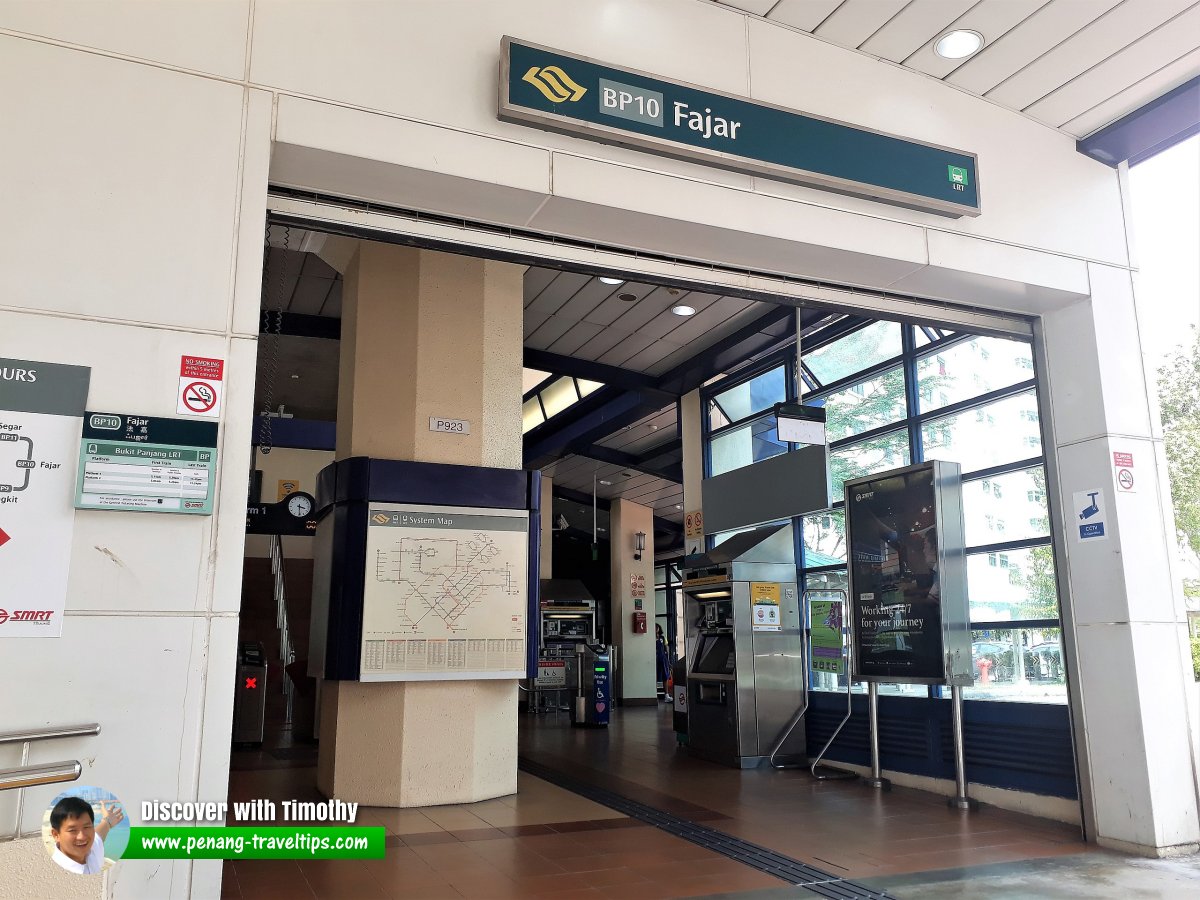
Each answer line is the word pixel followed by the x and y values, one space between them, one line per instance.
pixel 549 89
pixel 146 464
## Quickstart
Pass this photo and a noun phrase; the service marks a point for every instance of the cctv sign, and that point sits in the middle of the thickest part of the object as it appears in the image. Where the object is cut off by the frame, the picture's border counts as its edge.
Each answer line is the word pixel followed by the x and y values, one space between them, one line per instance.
pixel 1090 516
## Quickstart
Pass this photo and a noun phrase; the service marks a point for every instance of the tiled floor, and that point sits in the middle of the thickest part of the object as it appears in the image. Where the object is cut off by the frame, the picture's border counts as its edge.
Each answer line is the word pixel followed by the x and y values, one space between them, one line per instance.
pixel 842 827
pixel 546 841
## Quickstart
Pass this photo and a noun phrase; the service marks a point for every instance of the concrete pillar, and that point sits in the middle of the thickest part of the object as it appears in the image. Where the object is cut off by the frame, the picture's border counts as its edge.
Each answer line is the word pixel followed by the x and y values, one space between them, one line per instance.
pixel 546 563
pixel 636 681
pixel 1125 625
pixel 425 334
pixel 690 412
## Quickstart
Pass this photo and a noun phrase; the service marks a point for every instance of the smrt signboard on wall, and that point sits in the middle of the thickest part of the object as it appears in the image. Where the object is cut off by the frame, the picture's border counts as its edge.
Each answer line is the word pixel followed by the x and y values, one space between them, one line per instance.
pixel 910 620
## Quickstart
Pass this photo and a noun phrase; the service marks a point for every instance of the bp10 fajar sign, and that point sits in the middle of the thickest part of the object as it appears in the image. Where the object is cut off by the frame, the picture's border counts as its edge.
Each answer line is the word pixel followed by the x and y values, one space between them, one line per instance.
pixel 558 91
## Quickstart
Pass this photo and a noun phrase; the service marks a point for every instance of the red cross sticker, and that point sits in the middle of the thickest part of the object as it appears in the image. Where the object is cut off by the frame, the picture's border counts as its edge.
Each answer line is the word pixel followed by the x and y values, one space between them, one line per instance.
pixel 251 683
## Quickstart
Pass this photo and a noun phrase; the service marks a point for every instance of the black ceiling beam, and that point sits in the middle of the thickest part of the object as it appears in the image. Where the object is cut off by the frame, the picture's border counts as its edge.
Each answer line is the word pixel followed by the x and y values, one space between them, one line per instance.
pixel 573 496
pixel 630 461
pixel 556 364
pixel 300 325
pixel 768 332
pixel 595 417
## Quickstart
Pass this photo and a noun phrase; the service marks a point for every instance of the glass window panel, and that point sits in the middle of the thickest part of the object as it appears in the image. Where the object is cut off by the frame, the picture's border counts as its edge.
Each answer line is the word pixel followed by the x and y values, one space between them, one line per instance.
pixel 878 454
pixel 742 446
pixel 864 348
pixel 759 393
pixel 824 538
pixel 558 395
pixel 1009 507
pixel 531 414
pixel 921 335
pixel 660 602
pixel 971 368
pixel 1012 585
pixel 991 435
pixel 1024 665
pixel 587 387
pixel 869 404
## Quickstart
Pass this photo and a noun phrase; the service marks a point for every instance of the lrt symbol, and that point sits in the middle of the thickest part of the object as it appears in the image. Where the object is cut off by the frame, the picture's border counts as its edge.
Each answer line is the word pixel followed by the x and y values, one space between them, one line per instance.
pixel 251 683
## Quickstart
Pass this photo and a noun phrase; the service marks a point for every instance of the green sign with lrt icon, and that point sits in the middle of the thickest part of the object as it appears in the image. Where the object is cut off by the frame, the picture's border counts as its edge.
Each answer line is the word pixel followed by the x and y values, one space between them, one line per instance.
pixel 146 464
pixel 557 91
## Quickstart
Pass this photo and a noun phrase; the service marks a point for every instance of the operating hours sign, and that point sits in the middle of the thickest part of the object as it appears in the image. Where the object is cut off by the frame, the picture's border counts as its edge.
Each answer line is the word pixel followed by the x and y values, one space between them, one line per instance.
pixel 41 413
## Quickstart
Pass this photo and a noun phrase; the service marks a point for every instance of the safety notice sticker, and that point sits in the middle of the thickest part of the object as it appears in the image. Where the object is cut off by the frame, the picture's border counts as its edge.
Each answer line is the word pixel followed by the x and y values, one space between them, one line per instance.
pixel 41 413
pixel 1090 516
pixel 201 381
pixel 1123 469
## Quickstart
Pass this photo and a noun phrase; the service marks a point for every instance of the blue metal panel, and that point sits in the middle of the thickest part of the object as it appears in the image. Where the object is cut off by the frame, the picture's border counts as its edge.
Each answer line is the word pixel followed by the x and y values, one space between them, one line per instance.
pixel 1157 126
pixel 297 434
pixel 1019 746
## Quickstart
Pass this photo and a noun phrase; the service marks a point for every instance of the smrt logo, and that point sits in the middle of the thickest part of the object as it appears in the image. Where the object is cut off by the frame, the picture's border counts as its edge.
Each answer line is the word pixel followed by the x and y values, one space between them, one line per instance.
pixel 860 497
pixel 555 84
pixel 26 615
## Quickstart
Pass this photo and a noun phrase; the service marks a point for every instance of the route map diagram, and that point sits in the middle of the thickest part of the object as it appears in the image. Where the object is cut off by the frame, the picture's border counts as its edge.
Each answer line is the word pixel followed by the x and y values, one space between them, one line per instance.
pixel 443 578
pixel 445 593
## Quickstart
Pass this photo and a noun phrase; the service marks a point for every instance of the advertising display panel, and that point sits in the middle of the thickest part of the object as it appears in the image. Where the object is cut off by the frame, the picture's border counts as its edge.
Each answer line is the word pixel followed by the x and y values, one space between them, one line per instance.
pixel 445 593
pixel 910 621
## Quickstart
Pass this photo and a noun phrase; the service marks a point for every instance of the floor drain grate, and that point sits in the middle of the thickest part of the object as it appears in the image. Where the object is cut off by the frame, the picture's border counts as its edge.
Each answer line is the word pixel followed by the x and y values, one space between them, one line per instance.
pixel 825 884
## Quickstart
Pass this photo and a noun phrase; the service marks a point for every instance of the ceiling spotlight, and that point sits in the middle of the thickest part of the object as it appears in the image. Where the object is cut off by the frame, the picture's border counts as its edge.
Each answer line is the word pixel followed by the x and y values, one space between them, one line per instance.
pixel 605 483
pixel 296 377
pixel 683 310
pixel 628 298
pixel 958 44
pixel 679 506
pixel 613 281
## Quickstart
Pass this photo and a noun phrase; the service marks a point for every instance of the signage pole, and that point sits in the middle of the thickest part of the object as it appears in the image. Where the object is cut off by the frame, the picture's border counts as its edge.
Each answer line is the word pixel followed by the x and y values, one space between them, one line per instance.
pixel 876 780
pixel 960 800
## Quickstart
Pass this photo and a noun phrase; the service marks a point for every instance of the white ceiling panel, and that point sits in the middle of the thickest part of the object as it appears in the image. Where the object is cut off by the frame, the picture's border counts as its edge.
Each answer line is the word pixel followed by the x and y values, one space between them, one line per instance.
pixel 601 343
pixel 536 280
pixel 630 345
pixel 913 26
pixel 713 316
pixel 1075 65
pixel 710 337
pixel 856 20
pixel 660 349
pixel 666 323
pixel 803 14
pixel 992 20
pixel 653 305
pixel 614 307
pixel 1085 49
pixel 588 298
pixel 758 7
pixel 1041 32
pixel 1140 59
pixel 548 331
pixel 1133 97
pixel 576 337
pixel 557 293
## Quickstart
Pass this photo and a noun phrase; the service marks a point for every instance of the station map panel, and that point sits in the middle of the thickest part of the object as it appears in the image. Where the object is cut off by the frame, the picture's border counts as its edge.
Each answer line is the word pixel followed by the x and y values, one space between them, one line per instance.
pixel 445 593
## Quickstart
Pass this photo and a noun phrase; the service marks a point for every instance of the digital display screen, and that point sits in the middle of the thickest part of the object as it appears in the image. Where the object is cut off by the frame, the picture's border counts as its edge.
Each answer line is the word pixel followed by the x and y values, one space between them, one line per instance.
pixel 715 655
pixel 896 594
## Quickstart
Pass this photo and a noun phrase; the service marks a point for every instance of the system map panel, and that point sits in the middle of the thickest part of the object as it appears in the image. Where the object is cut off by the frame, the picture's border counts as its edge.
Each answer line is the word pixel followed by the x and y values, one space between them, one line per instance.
pixel 445 594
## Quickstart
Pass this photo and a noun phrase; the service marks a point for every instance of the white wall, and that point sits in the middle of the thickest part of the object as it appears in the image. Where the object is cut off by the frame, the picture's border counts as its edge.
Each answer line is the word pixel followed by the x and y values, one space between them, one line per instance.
pixel 135 213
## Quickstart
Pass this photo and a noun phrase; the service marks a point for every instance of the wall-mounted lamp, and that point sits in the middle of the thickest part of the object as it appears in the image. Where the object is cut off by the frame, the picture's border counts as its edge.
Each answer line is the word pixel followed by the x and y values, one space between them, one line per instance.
pixel 639 544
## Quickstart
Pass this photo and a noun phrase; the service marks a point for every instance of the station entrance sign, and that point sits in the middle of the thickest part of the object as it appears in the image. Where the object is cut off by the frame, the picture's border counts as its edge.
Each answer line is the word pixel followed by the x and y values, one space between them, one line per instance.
pixel 41 409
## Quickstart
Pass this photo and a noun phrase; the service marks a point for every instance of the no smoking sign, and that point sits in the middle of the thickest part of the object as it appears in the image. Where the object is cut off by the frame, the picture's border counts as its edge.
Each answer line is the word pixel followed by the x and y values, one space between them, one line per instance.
pixel 201 381
pixel 1123 467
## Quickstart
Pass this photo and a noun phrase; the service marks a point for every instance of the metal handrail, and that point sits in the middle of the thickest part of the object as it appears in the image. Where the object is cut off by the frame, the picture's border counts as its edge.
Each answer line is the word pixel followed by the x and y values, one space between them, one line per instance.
pixel 65 731
pixel 43 773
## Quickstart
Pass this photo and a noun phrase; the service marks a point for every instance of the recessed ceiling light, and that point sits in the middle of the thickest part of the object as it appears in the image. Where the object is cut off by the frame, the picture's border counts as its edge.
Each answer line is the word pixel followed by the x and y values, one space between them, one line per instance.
pixel 605 483
pixel 296 377
pixel 628 298
pixel 958 44
pixel 679 506
pixel 683 310
pixel 604 280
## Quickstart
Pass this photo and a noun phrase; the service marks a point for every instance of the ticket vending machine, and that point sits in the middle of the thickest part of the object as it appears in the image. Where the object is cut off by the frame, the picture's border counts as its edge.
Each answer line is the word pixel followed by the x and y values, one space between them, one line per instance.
pixel 746 672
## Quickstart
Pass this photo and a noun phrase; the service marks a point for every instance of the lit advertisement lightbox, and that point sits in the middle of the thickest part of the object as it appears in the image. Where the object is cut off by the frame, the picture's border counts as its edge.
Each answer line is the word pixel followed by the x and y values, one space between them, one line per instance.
pixel 910 619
